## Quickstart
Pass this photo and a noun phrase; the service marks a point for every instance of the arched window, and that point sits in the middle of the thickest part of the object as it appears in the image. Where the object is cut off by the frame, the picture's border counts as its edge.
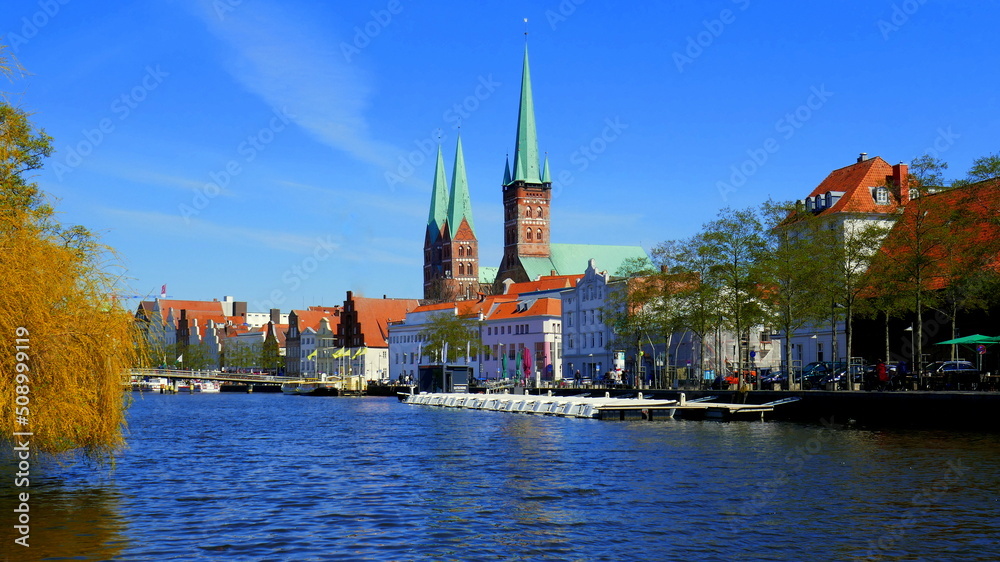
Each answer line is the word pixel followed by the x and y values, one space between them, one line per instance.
pixel 539 235
pixel 538 212
pixel 461 269
pixel 527 213
pixel 529 234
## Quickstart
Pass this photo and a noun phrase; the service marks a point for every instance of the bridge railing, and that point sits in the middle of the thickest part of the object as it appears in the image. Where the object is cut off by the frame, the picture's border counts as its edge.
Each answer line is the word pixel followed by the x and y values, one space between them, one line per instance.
pixel 211 375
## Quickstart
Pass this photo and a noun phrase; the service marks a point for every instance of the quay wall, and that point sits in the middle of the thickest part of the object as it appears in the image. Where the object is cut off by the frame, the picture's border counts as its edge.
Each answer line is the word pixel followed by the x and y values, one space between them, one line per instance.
pixel 977 411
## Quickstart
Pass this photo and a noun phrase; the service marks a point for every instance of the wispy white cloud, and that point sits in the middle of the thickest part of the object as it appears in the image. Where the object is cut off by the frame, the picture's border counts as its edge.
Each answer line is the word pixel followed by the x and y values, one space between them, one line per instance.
pixel 383 207
pixel 207 230
pixel 298 69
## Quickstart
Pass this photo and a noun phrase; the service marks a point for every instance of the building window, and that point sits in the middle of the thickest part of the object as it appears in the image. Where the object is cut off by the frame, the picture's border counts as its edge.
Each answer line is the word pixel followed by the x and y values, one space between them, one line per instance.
pixel 538 213
pixel 539 234
pixel 528 234
pixel 881 196
pixel 527 213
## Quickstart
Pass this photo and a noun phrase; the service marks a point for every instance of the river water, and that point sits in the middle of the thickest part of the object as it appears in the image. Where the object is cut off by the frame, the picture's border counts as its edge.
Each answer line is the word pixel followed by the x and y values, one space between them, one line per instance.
pixel 273 477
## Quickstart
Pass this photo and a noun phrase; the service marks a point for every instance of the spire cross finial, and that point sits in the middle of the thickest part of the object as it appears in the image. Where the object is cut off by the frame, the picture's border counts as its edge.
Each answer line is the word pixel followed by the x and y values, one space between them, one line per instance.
pixel 525 30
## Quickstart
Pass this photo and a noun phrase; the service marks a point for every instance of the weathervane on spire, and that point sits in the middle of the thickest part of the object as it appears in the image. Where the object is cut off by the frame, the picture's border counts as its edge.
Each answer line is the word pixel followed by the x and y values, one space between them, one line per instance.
pixel 525 30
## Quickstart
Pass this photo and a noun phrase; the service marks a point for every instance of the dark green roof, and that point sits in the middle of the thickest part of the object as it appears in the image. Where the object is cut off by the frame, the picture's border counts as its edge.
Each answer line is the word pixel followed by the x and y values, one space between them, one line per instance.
pixel 488 274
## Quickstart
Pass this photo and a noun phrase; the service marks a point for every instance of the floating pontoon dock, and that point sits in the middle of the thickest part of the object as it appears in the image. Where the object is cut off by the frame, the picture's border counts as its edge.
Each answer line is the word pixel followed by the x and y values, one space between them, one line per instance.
pixel 594 407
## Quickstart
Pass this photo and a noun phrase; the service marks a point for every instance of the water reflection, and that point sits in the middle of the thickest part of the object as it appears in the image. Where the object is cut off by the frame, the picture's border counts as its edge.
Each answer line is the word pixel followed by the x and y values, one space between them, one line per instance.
pixel 66 520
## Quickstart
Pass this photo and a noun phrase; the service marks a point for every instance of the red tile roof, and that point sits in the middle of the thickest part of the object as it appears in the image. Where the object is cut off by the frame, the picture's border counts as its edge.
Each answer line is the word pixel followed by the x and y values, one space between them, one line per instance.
pixel 545 283
pixel 969 235
pixel 540 307
pixel 856 182
pixel 311 318
pixel 374 316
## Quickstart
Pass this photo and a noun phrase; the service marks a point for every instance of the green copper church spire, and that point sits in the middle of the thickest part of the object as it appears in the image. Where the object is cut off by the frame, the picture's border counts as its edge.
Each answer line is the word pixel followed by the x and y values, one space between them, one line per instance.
pixel 506 171
pixel 439 199
pixel 459 202
pixel 546 178
pixel 526 146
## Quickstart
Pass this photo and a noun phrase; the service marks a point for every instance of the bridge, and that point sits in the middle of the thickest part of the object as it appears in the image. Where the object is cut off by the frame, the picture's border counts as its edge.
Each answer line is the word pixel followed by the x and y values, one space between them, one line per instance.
pixel 208 375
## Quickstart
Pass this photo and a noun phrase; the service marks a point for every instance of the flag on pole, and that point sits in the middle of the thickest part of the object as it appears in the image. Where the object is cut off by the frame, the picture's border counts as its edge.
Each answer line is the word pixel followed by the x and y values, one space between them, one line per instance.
pixel 468 346
pixel 180 358
pixel 311 355
pixel 517 363
pixel 503 361
pixel 163 291
pixel 444 353
pixel 420 352
pixel 361 351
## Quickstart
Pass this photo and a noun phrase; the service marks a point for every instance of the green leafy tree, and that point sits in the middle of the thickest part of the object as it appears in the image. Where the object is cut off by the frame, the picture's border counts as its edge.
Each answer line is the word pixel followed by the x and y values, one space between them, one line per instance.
pixel 458 332
pixel 695 300
pixel 791 273
pixel 735 242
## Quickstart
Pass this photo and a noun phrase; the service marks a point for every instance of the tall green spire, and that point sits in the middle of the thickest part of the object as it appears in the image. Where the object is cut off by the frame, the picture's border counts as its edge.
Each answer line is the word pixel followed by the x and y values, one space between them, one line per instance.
pixel 439 199
pixel 526 146
pixel 506 171
pixel 459 203
pixel 546 178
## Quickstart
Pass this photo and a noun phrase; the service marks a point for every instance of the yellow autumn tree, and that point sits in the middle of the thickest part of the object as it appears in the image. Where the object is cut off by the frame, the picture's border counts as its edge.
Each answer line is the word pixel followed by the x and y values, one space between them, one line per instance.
pixel 66 345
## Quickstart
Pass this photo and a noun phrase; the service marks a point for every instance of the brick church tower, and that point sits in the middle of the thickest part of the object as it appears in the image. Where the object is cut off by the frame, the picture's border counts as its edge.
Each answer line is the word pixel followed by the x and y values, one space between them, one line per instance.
pixel 527 194
pixel 451 250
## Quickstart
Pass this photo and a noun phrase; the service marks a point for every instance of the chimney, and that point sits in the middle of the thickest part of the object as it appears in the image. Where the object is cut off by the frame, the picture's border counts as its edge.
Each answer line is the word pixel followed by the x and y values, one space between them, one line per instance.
pixel 899 181
pixel 863 157
pixel 276 315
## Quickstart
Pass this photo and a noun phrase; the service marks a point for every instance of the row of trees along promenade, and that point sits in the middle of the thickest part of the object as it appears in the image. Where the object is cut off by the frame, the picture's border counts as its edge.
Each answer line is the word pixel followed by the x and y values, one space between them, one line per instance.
pixel 782 267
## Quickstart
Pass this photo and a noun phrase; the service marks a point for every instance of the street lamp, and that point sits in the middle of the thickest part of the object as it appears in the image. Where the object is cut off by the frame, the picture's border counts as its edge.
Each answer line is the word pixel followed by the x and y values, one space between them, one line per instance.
pixel 913 351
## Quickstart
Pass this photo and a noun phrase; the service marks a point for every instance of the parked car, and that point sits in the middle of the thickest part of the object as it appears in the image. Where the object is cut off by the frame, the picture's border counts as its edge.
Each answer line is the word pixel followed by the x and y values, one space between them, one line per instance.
pixel 953 375
pixel 862 374
pixel 814 373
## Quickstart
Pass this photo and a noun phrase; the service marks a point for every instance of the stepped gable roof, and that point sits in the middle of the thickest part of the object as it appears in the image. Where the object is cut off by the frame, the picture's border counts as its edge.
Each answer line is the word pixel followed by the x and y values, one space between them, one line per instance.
pixel 201 319
pixel 545 306
pixel 374 316
pixel 856 183
pixel 568 259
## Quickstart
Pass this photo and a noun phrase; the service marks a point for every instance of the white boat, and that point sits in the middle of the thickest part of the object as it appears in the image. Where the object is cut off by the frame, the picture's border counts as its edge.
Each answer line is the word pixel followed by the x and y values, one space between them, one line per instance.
pixel 206 386
pixel 290 387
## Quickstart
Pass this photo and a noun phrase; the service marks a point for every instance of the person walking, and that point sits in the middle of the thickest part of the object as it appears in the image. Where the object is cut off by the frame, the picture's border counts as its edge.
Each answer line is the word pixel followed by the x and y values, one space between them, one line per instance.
pixel 881 374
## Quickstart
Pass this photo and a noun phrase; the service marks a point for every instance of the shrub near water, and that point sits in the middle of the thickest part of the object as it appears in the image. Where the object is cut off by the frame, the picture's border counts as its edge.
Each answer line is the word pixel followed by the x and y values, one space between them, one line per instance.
pixel 58 286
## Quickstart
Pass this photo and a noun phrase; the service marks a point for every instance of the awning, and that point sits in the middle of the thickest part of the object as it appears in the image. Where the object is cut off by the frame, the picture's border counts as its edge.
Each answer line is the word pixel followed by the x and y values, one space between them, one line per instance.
pixel 975 339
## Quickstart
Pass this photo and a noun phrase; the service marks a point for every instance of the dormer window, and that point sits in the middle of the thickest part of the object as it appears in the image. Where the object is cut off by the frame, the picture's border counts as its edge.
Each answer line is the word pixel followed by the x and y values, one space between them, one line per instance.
pixel 881 196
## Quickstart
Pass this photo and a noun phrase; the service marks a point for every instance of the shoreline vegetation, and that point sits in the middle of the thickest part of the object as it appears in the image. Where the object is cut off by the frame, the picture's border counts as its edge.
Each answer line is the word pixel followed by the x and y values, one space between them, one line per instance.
pixel 68 344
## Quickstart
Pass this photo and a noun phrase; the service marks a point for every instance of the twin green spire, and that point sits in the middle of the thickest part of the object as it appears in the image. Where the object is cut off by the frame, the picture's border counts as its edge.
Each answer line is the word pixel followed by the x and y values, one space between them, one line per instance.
pixel 450 206
pixel 526 146
pixel 459 203
pixel 439 199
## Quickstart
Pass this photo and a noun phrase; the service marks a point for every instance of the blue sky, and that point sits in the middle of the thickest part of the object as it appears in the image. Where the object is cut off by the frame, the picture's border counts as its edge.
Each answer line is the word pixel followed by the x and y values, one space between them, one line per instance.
pixel 282 152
